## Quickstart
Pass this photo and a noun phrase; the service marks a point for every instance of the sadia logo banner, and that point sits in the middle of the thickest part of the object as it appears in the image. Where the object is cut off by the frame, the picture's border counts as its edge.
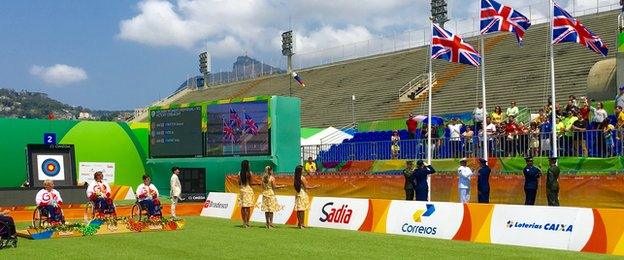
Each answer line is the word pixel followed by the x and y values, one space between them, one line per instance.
pixel 549 227
pixel 219 205
pixel 424 219
pixel 340 213
pixel 286 205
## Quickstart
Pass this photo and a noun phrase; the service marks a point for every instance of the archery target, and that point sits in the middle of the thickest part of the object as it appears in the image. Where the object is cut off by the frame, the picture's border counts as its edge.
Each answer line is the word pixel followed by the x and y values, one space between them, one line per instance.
pixel 50 167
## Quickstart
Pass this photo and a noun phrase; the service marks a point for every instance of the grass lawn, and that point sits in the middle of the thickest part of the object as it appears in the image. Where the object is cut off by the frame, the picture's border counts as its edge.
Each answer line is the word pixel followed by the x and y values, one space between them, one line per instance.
pixel 210 238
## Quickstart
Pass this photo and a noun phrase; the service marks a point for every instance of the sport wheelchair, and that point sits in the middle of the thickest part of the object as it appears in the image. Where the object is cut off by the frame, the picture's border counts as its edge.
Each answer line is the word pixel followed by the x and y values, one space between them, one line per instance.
pixel 7 237
pixel 140 212
pixel 91 210
pixel 41 218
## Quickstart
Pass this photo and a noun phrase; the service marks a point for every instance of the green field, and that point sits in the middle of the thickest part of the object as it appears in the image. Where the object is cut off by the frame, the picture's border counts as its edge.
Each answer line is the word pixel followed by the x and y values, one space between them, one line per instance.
pixel 210 238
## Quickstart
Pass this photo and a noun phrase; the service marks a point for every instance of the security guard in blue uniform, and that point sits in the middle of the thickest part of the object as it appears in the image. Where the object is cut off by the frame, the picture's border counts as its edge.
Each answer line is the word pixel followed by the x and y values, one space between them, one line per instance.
pixel 483 182
pixel 419 180
pixel 531 181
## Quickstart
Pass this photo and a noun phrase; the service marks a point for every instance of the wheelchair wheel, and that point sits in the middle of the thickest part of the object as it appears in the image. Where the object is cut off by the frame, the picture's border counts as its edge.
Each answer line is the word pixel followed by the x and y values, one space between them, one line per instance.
pixel 38 219
pixel 135 213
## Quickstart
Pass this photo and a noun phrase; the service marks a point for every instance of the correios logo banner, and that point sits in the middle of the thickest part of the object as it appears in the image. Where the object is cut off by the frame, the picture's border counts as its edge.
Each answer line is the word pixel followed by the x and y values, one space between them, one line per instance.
pixel 340 213
pixel 549 227
pixel 287 205
pixel 424 219
pixel 219 205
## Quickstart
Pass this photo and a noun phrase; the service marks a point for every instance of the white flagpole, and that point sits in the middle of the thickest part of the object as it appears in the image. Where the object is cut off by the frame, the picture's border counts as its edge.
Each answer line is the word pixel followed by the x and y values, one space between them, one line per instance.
pixel 552 85
pixel 429 110
pixel 484 111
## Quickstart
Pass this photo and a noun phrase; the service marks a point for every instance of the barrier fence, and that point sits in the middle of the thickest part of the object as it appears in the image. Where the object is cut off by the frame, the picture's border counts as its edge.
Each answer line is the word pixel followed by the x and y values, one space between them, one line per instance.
pixel 564 228
pixel 592 143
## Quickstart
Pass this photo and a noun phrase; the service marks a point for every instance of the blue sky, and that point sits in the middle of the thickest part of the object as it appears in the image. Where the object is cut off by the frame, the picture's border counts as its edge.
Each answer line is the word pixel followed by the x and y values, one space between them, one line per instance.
pixel 126 54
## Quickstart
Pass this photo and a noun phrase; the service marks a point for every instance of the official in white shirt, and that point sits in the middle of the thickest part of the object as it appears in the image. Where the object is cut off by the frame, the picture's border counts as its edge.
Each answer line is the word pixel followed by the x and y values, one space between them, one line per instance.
pixel 175 191
pixel 464 173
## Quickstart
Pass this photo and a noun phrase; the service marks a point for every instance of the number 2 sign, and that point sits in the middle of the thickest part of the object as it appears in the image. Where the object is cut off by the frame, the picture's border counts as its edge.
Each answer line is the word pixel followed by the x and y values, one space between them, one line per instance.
pixel 49 138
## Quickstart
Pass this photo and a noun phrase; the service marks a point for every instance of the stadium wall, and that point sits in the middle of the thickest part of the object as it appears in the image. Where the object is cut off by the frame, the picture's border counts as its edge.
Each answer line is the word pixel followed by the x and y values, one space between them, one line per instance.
pixel 121 143
pixel 284 118
pixel 564 228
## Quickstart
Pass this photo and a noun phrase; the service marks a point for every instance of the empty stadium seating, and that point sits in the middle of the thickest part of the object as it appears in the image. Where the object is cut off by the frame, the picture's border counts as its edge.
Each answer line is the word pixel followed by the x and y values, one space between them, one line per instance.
pixel 513 73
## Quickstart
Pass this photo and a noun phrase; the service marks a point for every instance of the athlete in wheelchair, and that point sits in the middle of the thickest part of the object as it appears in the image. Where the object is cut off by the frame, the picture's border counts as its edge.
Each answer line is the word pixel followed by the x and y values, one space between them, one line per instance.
pixel 8 235
pixel 147 200
pixel 48 206
pixel 99 195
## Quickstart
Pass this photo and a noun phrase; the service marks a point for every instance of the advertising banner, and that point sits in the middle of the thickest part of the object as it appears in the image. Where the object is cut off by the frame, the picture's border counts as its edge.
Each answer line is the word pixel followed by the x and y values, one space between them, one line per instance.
pixel 338 213
pixel 424 219
pixel 547 227
pixel 287 205
pixel 219 205
pixel 87 169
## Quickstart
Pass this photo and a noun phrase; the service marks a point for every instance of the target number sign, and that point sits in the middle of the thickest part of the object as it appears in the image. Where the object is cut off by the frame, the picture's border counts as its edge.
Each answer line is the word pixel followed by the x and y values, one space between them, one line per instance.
pixel 49 138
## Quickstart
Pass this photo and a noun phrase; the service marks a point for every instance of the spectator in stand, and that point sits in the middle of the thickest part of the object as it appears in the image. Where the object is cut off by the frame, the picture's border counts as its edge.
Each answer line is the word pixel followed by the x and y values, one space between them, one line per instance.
pixel 531 181
pixel 558 110
pixel 541 117
pixel 408 187
pixel 579 127
pixel 619 114
pixel 524 133
pixel 435 138
pixel 560 126
pixel 395 148
pixel 511 132
pixel 412 125
pixel 512 110
pixel 497 116
pixel 454 128
pixel 477 117
pixel 310 167
pixel 483 182
pixel 491 134
pixel 584 109
pixel 568 136
pixel 599 115
pixel 468 135
pixel 535 139
pixel 574 101
pixel 607 138
pixel 619 99
pixel 463 174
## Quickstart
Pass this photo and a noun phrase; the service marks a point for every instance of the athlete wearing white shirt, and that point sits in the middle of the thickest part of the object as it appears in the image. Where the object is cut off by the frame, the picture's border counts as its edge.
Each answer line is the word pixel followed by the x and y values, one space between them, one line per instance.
pixel 99 193
pixel 464 174
pixel 49 200
pixel 147 194
pixel 176 189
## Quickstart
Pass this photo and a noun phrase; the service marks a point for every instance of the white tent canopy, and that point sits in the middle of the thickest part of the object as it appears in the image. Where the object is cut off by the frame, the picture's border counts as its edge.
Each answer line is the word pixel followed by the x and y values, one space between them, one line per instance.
pixel 336 137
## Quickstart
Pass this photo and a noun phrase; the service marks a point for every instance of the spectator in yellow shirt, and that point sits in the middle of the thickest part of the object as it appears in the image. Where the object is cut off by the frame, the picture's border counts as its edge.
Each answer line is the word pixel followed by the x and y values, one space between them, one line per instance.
pixel 310 167
pixel 497 115
pixel 620 117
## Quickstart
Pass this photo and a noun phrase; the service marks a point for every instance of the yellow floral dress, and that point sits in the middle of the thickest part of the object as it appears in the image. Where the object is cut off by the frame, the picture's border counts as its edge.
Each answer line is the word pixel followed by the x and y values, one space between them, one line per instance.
pixel 245 199
pixel 302 202
pixel 269 201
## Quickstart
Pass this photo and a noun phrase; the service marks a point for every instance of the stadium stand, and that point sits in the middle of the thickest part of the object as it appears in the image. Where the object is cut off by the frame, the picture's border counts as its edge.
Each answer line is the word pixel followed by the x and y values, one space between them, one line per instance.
pixel 513 73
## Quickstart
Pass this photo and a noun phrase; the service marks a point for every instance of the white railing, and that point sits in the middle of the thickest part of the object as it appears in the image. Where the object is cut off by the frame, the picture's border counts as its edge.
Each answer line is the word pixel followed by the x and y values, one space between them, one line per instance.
pixel 416 86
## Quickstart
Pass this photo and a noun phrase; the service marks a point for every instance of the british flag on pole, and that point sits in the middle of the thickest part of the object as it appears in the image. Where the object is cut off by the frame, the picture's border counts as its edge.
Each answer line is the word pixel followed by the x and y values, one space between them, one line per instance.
pixel 566 28
pixel 496 17
pixel 450 47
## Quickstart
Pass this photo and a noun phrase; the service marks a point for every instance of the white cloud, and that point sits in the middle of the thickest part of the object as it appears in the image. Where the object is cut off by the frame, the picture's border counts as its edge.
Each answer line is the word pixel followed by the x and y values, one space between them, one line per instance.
pixel 59 74
pixel 329 36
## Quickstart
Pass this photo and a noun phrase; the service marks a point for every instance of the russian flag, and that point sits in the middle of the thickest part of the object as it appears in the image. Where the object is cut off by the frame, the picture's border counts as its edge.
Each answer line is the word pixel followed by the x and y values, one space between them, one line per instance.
pixel 298 79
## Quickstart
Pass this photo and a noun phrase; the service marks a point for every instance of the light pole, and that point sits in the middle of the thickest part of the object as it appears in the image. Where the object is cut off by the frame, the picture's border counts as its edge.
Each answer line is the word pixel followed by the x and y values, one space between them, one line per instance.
pixel 287 50
pixel 353 108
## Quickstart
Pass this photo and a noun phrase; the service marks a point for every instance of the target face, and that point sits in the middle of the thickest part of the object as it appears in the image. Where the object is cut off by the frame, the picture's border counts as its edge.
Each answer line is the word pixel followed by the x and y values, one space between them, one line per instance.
pixel 51 167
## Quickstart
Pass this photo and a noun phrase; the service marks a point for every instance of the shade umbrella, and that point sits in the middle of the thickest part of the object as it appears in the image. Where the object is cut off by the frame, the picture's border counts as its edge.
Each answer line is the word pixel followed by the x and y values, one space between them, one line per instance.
pixel 435 120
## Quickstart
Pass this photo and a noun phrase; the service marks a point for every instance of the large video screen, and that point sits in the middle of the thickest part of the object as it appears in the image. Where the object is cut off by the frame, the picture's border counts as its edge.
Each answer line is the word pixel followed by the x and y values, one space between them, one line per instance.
pixel 238 129
pixel 176 132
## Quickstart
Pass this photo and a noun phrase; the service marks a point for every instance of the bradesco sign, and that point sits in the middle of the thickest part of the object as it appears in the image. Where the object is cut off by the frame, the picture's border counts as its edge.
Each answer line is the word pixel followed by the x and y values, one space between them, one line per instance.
pixel 219 205
pixel 424 219
pixel 549 227
pixel 340 213
pixel 287 205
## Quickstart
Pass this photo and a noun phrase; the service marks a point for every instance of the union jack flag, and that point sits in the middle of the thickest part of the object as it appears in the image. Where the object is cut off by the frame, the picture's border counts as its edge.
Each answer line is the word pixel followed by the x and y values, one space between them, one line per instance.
pixel 236 120
pixel 568 29
pixel 450 47
pixel 250 125
pixel 228 131
pixel 496 17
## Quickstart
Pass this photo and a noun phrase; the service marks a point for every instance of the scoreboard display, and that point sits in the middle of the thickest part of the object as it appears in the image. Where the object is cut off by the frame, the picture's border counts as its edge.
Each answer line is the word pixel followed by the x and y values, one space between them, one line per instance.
pixel 176 132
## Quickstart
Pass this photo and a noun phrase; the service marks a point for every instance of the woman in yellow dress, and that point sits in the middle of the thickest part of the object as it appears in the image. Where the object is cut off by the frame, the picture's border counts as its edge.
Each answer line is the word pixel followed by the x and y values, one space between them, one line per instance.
pixel 269 201
pixel 245 198
pixel 302 202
